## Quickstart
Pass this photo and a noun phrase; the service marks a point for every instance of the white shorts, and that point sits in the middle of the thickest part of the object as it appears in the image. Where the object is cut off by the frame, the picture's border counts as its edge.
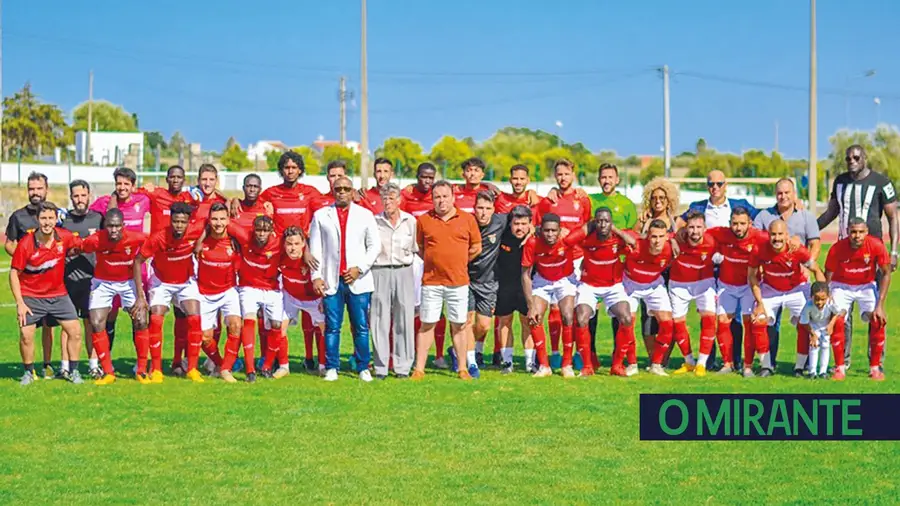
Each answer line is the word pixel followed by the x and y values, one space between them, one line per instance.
pixel 418 272
pixel 865 296
pixel 654 295
pixel 228 302
pixel 434 297
pixel 731 297
pixel 103 292
pixel 703 292
pixel 163 294
pixel 270 301
pixel 793 300
pixel 589 296
pixel 554 291
pixel 293 307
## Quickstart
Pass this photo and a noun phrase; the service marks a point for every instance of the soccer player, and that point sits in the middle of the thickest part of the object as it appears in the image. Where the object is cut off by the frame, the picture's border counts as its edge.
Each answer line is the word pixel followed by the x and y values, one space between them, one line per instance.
pixel 116 248
pixel 691 279
pixel 554 283
pixel 299 297
pixel 510 296
pixel 852 267
pixel 603 246
pixel 783 285
pixel 573 207
pixel 371 198
pixel 36 275
pixel 172 281
pixel 521 195
pixel 203 200
pixel 290 200
pixel 161 199
pixel 467 193
pixel 250 205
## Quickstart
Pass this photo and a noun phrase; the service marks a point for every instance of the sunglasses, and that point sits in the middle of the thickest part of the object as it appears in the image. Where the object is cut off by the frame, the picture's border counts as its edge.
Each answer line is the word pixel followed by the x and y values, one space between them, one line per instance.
pixel 339 189
pixel 853 158
pixel 710 184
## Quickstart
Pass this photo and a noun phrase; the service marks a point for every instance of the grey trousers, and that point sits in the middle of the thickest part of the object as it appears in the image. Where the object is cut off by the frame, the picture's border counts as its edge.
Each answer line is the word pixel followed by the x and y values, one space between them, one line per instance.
pixel 393 301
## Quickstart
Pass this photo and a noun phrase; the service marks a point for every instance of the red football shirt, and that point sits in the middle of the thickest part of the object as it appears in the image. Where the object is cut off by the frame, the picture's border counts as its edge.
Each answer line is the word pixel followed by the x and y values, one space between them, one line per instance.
pixel 217 265
pixel 258 264
pixel 695 263
pixel 415 202
pixel 291 205
pixel 641 266
pixel 115 260
pixel 551 262
pixel 372 200
pixel 602 265
pixel 465 197
pixel 249 214
pixel 173 258
pixel 736 253
pixel 161 201
pixel 572 211
pixel 781 270
pixel 296 280
pixel 201 207
pixel 507 201
pixel 857 266
pixel 42 268
pixel 318 203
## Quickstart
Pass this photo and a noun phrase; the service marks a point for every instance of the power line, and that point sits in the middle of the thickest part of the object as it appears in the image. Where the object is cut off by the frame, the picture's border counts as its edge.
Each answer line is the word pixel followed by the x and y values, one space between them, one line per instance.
pixel 780 86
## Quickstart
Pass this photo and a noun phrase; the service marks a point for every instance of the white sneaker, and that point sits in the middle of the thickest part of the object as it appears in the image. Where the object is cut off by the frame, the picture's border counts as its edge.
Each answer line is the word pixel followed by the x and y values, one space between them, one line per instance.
pixel 631 370
pixel 321 370
pixel 658 370
pixel 331 375
pixel 568 372
pixel 365 376
pixel 281 372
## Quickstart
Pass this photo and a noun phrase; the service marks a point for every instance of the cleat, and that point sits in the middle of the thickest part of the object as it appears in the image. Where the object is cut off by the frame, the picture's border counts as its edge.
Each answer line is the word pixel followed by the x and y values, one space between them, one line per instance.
pixel 463 375
pixel 266 373
pixel 813 376
pixel 684 369
pixel 585 372
pixel 440 363
pixel 331 375
pixel 631 370
pixel 321 369
pixel 238 365
pixel 142 378
pixel 824 376
pixel 108 379
pixel 228 377
pixel 209 366
pixel 497 359
pixel 700 371
pixel 156 377
pixel 310 365
pixel 531 368
pixel 251 377
pixel 617 370
pixel 876 375
pixel 417 375
pixel 479 360
pixel 506 368
pixel 48 372
pixel 403 376
pixel 474 372
pixel 748 373
pixel 95 373
pixel 178 371
pixel 839 374
pixel 765 373
pixel 543 372
pixel 61 374
pixel 555 360
pixel 454 362
pixel 27 378
pixel 725 370
pixel 381 377
pixel 75 378
pixel 798 373
pixel 365 376
pixel 657 370
pixel 577 362
pixel 194 375
pixel 567 372
pixel 281 372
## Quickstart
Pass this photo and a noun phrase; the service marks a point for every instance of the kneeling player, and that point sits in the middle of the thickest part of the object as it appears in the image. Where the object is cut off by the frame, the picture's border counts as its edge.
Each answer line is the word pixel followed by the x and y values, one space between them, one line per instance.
pixel 601 278
pixel 299 299
pixel 116 248
pixel 852 266
pixel 554 283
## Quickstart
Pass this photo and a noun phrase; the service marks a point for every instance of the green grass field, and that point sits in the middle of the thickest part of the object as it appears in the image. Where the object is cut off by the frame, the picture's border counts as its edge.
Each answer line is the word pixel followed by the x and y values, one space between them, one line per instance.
pixel 503 439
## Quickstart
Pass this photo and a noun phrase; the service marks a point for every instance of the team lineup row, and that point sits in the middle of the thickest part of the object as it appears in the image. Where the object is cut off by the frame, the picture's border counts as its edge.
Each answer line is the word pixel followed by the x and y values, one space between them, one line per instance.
pixel 468 251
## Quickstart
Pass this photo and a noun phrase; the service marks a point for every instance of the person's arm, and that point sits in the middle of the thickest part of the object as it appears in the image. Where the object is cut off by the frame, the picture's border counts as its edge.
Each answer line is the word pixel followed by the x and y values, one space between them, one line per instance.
pixel 831 212
pixel 884 286
pixel 815 247
pixel 526 287
pixel 420 240
pixel 373 245
pixel 315 247
pixel 10 246
pixel 629 239
pixel 474 239
pixel 890 210
pixel 753 280
pixel 21 308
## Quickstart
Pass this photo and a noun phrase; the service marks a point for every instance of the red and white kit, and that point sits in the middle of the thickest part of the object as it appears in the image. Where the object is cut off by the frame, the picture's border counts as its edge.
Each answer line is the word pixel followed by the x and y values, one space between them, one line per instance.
pixel 603 270
pixel 216 270
pixel 643 277
pixel 783 283
pixel 691 277
pixel 554 277
pixel 299 295
pixel 734 290
pixel 113 274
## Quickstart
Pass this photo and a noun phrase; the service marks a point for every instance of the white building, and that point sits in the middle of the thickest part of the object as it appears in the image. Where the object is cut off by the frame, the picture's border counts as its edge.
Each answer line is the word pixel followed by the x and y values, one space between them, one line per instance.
pixel 258 151
pixel 320 144
pixel 107 148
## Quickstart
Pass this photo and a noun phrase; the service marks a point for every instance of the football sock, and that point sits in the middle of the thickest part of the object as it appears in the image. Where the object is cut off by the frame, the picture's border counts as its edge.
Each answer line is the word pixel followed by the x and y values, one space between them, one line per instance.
pixel 723 337
pixel 540 345
pixel 248 340
pixel 683 339
pixel 529 357
pixel 583 342
pixel 308 336
pixel 470 358
pixel 63 365
pixel 93 363
pixel 156 329
pixel 837 341
pixel 181 333
pixel 876 341
pixel 440 331
pixel 101 345
pixel 507 354
pixel 142 348
pixel 232 348
pixel 479 346
pixel 568 345
pixel 663 341
pixel 211 349
pixel 803 348
pixel 554 322
pixel 195 341
pixel 73 366
pixel 283 346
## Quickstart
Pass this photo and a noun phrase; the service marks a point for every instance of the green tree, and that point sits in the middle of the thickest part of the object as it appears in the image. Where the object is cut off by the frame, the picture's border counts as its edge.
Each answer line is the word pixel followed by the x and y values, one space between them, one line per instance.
pixel 154 139
pixel 272 157
pixel 106 116
pixel 447 154
pixel 229 143
pixel 338 152
pixel 235 158
pixel 655 169
pixel 312 160
pixel 549 158
pixel 404 153
pixel 498 166
pixel 537 169
pixel 701 146
pixel 33 126
pixel 177 142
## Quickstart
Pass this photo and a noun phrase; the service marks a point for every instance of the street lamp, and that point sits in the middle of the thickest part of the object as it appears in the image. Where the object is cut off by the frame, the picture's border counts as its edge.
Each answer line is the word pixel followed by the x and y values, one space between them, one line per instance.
pixel 877 111
pixel 559 125
pixel 863 75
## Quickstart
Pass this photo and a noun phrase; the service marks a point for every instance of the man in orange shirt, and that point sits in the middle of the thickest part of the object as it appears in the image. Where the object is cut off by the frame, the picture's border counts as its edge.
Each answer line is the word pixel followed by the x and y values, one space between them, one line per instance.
pixel 448 240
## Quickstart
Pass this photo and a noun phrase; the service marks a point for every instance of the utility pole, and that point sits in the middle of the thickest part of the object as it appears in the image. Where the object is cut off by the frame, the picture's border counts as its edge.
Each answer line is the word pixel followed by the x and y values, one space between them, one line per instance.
pixel 342 94
pixel 87 143
pixel 667 141
pixel 813 183
pixel 364 108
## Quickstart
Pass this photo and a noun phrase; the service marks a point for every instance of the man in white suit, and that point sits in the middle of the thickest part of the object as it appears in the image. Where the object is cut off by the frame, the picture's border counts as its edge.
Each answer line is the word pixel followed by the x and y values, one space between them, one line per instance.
pixel 344 240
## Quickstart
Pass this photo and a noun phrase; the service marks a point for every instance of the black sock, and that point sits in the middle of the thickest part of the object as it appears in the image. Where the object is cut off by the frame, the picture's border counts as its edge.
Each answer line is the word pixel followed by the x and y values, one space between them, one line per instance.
pixel 46 365
pixel 28 367
pixel 73 366
pixel 111 332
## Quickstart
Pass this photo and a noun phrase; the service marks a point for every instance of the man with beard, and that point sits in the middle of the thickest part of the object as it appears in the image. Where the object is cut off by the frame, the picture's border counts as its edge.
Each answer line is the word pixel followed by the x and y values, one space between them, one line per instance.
pixel 202 200
pixel 291 199
pixel 371 198
pixel 510 297
pixel 467 193
pixel 521 195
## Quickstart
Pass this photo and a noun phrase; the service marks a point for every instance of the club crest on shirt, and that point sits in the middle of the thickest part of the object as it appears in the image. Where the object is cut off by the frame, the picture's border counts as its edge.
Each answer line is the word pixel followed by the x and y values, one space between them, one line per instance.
pixel 576 205
pixel 492 238
pixel 662 262
pixel 615 248
pixel 703 256
pixel 127 250
pixel 866 258
pixel 788 263
pixel 749 247
pixel 137 207
pixel 229 251
pixel 59 248
pixel 268 254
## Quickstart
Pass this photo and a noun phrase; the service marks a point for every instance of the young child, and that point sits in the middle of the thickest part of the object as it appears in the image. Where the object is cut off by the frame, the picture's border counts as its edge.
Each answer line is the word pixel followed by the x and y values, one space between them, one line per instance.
pixel 819 316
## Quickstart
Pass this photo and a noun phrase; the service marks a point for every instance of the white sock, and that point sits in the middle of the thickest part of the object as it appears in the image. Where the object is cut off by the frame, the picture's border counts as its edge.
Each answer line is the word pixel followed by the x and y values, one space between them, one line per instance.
pixel 813 361
pixel 801 360
pixel 479 346
pixel 824 357
pixel 689 359
pixel 702 359
pixel 529 357
pixel 470 358
pixel 507 354
pixel 765 360
pixel 94 363
pixel 64 365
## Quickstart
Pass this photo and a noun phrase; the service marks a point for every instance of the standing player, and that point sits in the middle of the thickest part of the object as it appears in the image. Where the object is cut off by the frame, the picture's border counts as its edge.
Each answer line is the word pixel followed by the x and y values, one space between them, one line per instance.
pixel 467 193
pixel 116 248
pixel 371 198
pixel 783 285
pixel 291 199
pixel 603 245
pixel 852 268
pixel 207 195
pixel 521 195
pixel 510 296
pixel 173 280
pixel 250 206
pixel 36 278
pixel 554 283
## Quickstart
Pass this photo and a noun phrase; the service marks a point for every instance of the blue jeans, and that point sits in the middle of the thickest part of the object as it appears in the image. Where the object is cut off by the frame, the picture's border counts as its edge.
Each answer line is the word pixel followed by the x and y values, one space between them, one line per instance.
pixel 358 309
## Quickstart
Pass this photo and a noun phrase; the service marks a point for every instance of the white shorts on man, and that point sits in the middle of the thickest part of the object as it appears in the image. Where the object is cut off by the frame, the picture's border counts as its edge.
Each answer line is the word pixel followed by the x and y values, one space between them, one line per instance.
pixel 228 302
pixel 434 297
pixel 865 296
pixel 730 298
pixel 271 302
pixel 794 300
pixel 293 308
pixel 589 295
pixel 702 292
pixel 554 291
pixel 164 294
pixel 103 292
pixel 654 295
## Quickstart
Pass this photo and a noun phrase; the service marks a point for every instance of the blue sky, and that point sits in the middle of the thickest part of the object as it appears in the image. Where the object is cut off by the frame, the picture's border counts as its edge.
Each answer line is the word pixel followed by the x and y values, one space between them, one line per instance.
pixel 269 69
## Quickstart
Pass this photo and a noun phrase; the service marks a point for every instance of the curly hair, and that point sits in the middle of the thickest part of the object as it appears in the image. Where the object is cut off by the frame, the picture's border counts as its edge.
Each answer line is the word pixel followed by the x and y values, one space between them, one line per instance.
pixel 661 183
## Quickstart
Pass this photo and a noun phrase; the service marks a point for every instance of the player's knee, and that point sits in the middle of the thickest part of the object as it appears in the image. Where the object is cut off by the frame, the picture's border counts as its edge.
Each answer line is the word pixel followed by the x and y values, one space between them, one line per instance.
pixel 233 328
pixel 582 317
pixel 98 321
pixel 568 319
pixel 625 319
pixel 275 325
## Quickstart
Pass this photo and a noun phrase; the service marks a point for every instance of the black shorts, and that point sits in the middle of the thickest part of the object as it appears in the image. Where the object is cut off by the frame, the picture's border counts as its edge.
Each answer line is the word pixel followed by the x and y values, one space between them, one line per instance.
pixel 59 309
pixel 511 299
pixel 483 298
pixel 80 293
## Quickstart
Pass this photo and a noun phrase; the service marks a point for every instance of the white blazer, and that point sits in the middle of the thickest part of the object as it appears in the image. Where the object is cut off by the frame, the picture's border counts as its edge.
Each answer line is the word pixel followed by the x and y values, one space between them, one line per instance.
pixel 363 247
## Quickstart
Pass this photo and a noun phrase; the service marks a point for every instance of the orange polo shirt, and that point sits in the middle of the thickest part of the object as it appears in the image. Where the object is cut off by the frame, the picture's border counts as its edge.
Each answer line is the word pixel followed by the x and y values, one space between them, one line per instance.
pixel 445 247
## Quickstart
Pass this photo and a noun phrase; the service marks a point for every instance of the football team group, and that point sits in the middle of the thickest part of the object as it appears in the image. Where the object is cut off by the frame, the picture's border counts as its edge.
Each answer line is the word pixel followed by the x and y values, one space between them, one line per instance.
pixel 404 263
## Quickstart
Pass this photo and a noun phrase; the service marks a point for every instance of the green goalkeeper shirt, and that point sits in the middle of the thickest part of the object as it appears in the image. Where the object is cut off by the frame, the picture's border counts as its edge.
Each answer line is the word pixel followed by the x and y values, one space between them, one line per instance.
pixel 624 213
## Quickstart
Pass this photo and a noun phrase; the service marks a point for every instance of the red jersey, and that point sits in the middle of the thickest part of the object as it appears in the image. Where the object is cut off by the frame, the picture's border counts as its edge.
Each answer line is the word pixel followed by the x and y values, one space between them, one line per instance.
pixel 249 214
pixel 465 197
pixel 641 266
pixel 572 211
pixel 781 270
pixel 507 201
pixel 296 280
pixel 258 264
pixel 115 260
pixel 371 200
pixel 551 262
pixel 201 207
pixel 736 253
pixel 42 268
pixel 161 200
pixel 173 258
pixel 602 265
pixel 857 266
pixel 291 205
pixel 217 265
pixel 320 202
pixel 695 263
pixel 415 202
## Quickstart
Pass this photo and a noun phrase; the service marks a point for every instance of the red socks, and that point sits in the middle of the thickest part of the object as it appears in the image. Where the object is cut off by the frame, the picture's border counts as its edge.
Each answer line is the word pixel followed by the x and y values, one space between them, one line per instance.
pixel 583 341
pixel 723 336
pixel 540 345
pixel 663 340
pixel 211 349
pixel 142 348
pixel 101 345
pixel 281 338
pixel 248 341
pixel 749 343
pixel 802 339
pixel 683 338
pixel 838 338
pixel 440 331
pixel 876 341
pixel 554 321
pixel 271 351
pixel 625 343
pixel 156 329
pixel 759 342
pixel 568 345
pixel 181 338
pixel 194 341
pixel 708 335
pixel 308 335
pixel 232 347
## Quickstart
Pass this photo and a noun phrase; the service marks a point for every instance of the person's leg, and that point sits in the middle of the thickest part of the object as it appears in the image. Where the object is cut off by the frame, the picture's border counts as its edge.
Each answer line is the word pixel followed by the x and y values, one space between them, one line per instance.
pixel 429 314
pixel 848 335
pixel 334 319
pixel 358 311
pixel 101 340
pixel 540 338
pixel 457 299
pixel 583 316
pixel 527 340
pixel 774 332
pixel 47 344
pixel 380 319
pixel 554 323
pixel 191 308
pixel 567 312
pixel 404 302
pixel 26 350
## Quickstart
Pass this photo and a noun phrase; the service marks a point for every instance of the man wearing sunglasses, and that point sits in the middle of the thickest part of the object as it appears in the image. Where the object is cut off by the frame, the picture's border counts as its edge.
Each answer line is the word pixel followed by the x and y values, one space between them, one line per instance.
pixel 862 193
